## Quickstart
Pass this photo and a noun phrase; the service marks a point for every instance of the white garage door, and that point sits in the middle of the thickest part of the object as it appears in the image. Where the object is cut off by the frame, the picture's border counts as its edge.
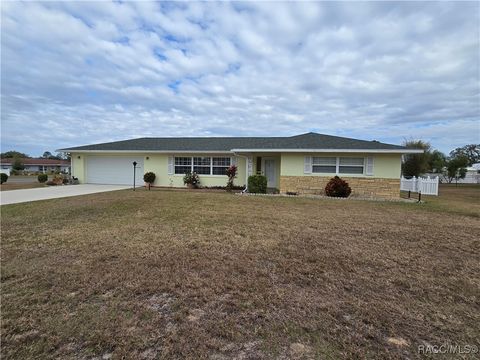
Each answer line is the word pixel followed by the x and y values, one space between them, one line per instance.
pixel 115 170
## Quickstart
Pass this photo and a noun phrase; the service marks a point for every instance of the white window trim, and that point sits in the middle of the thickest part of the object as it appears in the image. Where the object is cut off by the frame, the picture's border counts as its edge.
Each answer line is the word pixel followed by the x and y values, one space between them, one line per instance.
pixel 192 165
pixel 337 166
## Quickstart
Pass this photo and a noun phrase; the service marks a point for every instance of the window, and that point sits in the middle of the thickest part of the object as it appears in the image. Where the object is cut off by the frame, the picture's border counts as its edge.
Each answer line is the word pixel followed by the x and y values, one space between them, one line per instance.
pixel 351 165
pixel 324 165
pixel 183 165
pixel 338 165
pixel 202 165
pixel 220 165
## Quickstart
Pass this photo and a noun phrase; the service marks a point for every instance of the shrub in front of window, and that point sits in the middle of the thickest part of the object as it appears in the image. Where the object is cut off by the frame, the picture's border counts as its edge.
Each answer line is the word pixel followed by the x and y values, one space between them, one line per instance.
pixel 149 178
pixel 257 184
pixel 337 187
pixel 191 180
pixel 3 178
pixel 42 178
pixel 231 172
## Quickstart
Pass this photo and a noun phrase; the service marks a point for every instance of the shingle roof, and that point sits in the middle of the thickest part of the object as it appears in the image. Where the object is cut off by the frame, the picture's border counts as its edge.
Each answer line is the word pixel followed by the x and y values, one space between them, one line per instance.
pixel 298 142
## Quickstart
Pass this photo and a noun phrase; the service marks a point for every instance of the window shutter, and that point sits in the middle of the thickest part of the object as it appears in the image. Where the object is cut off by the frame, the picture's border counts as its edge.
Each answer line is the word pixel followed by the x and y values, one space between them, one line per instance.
pixel 307 165
pixel 369 166
pixel 170 165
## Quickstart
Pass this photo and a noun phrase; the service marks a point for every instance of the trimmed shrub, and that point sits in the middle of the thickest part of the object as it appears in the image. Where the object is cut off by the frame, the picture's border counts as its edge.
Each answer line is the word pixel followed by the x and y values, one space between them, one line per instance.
pixel 58 179
pixel 149 177
pixel 337 187
pixel 3 178
pixel 191 179
pixel 257 184
pixel 42 178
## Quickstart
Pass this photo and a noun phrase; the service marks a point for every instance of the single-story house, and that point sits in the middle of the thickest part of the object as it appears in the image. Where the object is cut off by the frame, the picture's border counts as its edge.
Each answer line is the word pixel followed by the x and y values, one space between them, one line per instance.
pixel 301 164
pixel 472 176
pixel 38 165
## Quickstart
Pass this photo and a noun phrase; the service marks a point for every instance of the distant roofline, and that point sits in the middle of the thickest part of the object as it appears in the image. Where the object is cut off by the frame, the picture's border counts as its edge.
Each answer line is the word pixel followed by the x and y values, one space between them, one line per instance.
pixel 36 161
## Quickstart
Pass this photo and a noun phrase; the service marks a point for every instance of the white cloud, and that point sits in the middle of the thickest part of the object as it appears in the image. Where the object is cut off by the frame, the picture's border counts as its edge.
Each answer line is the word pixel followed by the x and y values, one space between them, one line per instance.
pixel 83 72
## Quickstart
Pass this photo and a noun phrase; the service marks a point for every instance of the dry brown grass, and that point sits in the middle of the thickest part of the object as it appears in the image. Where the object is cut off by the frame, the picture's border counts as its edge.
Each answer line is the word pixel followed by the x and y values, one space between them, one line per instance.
pixel 18 186
pixel 165 274
pixel 463 199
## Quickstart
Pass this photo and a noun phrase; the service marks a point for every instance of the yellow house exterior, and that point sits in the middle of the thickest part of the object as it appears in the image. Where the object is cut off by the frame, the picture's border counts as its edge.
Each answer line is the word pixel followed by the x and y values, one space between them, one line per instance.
pixel 371 168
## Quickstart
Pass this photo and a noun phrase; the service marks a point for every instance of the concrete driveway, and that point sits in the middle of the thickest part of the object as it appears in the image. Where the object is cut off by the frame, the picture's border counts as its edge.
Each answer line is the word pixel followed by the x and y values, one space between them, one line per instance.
pixel 54 192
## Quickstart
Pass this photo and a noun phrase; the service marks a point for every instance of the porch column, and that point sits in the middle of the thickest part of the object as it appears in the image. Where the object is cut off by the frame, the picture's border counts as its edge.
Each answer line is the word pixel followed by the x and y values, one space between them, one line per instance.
pixel 249 165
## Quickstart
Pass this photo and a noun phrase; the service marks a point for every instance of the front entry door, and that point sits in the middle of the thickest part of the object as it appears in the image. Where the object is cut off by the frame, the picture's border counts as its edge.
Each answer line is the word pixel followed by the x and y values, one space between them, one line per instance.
pixel 270 173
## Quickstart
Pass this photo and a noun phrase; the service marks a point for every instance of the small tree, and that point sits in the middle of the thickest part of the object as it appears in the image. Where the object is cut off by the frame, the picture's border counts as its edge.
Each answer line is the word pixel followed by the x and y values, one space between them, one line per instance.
pixel 416 164
pixel 437 161
pixel 456 168
pixel 149 178
pixel 232 174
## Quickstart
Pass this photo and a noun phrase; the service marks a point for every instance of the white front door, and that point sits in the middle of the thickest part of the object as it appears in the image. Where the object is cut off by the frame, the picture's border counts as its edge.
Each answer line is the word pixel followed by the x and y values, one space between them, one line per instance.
pixel 270 173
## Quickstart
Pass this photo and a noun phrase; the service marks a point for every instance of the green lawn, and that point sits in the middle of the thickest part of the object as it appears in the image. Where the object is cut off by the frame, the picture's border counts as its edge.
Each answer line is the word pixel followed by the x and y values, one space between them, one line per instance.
pixel 170 274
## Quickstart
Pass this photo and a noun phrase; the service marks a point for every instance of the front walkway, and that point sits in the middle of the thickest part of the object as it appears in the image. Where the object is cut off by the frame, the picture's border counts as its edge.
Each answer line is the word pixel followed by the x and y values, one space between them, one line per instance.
pixel 54 192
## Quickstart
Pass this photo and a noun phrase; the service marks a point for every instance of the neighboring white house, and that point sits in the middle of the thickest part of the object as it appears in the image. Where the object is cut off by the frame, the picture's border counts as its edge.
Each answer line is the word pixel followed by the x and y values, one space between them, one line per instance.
pixel 38 165
pixel 472 176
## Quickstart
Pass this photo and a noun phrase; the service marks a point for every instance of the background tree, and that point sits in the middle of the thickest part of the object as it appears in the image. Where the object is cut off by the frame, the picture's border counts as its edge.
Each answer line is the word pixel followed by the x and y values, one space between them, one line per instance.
pixel 416 164
pixel 49 155
pixel 456 168
pixel 63 156
pixel 471 152
pixel 13 154
pixel 17 164
pixel 437 161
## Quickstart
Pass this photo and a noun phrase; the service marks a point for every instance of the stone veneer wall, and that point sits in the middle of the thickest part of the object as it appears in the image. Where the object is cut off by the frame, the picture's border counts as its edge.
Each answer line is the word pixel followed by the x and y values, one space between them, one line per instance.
pixel 365 187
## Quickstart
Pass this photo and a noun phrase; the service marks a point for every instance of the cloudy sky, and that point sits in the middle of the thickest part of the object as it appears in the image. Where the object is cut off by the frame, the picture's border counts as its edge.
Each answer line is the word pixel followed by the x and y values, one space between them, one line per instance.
pixel 75 73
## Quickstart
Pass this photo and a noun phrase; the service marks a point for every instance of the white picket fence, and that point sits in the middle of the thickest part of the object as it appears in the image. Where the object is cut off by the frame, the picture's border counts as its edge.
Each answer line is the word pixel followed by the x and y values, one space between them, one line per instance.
pixel 425 186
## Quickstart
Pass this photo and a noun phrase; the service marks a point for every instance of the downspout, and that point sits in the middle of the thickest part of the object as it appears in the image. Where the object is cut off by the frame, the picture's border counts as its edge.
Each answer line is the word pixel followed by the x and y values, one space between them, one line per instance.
pixel 246 171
